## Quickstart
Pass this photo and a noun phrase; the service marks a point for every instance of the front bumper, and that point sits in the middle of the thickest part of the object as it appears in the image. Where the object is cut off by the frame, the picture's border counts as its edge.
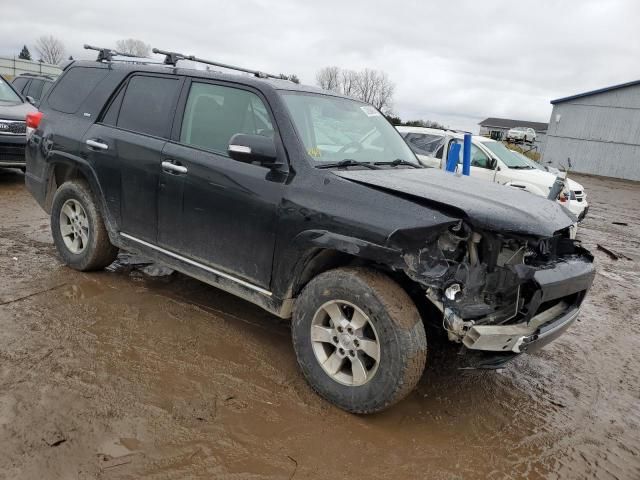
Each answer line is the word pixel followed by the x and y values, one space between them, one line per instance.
pixel 554 307
pixel 12 150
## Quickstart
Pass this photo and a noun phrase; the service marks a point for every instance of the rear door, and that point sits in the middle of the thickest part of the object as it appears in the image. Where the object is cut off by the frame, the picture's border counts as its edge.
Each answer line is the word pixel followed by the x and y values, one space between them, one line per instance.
pixel 125 148
pixel 213 209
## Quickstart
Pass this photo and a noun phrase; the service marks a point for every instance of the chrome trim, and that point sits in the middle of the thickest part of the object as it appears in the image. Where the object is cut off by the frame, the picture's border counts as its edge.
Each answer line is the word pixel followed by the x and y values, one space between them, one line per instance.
pixel 8 122
pixel 199 265
pixel 96 144
pixel 239 148
pixel 173 167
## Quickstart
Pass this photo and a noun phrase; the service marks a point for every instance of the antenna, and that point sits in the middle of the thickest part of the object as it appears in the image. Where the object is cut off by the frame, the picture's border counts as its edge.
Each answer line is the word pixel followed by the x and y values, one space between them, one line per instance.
pixel 106 54
pixel 171 58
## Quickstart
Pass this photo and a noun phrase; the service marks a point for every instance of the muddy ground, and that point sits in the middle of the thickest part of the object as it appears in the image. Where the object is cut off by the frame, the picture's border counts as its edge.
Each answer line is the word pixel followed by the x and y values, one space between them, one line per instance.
pixel 116 375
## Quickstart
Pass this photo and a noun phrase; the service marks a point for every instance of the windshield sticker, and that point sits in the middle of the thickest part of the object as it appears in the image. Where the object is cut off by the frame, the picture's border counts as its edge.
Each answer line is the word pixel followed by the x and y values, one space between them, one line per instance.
pixel 315 152
pixel 370 111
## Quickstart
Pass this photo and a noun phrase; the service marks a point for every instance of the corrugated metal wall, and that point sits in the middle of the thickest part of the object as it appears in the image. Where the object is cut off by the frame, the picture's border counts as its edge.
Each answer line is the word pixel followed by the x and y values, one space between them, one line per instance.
pixel 600 133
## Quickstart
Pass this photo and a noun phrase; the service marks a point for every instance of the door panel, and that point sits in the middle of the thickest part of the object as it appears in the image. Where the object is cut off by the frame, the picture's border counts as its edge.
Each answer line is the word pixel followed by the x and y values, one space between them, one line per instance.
pixel 128 171
pixel 221 212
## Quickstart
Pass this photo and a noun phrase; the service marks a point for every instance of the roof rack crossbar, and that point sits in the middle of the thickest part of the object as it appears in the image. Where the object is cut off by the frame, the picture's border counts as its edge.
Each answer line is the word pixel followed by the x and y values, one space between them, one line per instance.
pixel 171 58
pixel 106 54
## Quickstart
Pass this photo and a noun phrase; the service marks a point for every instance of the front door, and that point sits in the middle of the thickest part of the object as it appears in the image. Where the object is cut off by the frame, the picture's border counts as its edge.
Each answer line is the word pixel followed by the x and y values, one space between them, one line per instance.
pixel 214 210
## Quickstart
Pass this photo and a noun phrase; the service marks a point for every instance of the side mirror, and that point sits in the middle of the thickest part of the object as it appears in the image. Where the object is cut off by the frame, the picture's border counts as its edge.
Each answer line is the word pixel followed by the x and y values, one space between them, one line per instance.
pixel 30 99
pixel 253 149
pixel 493 164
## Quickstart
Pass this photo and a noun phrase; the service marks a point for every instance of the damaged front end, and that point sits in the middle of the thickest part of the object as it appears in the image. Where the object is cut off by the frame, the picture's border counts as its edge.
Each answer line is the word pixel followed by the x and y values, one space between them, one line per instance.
pixel 501 293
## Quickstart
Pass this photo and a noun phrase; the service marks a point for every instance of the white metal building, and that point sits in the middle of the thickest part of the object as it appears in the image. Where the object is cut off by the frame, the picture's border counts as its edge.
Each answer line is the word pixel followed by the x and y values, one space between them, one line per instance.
pixel 12 67
pixel 598 130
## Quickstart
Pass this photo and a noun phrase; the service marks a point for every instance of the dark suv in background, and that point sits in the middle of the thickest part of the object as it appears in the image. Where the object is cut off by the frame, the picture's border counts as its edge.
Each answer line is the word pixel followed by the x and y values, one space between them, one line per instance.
pixel 310 205
pixel 13 128
pixel 32 86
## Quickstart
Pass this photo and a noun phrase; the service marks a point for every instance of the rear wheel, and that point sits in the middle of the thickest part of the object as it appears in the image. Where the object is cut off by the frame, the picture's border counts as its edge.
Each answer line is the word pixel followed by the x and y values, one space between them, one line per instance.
pixel 78 228
pixel 359 339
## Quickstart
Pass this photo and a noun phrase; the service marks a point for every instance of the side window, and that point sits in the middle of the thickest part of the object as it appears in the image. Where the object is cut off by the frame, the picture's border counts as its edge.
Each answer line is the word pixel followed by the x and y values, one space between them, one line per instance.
pixel 424 144
pixel 35 89
pixel 47 86
pixel 74 87
pixel 478 157
pixel 19 84
pixel 111 115
pixel 215 113
pixel 147 105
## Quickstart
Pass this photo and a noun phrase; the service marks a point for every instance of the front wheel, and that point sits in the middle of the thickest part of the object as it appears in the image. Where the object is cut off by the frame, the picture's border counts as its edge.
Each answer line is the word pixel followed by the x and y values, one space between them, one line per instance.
pixel 359 339
pixel 78 228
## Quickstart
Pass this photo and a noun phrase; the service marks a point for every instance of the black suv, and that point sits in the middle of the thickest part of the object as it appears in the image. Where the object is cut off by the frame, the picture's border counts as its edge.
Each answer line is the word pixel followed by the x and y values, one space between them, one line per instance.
pixel 310 205
pixel 32 86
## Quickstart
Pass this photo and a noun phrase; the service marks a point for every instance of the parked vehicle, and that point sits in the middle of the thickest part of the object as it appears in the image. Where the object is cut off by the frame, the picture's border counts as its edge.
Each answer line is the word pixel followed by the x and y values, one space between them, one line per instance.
pixel 32 86
pixel 13 110
pixel 310 205
pixel 577 198
pixel 521 134
pixel 492 161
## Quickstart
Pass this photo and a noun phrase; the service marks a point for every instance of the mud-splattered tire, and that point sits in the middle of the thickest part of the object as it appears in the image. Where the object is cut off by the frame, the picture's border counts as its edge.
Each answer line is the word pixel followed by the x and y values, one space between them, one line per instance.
pixel 393 322
pixel 94 251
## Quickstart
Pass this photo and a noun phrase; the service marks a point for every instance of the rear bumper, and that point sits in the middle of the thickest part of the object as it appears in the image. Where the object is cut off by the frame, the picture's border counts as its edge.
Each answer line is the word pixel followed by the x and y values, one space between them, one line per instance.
pixel 555 305
pixel 12 150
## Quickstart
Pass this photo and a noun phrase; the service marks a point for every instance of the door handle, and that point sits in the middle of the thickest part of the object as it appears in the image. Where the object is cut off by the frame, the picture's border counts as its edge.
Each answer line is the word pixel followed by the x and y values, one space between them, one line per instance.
pixel 173 168
pixel 97 144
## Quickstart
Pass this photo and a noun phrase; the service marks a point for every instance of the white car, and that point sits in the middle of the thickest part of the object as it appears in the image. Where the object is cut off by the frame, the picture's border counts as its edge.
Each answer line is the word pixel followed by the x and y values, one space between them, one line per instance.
pixel 492 161
pixel 522 134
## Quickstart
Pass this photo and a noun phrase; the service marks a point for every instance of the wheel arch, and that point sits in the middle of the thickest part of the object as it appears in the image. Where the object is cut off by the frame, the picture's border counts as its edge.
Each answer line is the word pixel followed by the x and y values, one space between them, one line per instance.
pixel 62 169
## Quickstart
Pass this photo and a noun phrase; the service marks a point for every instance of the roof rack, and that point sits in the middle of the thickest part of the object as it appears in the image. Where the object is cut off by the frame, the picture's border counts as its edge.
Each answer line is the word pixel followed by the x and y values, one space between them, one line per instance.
pixel 171 58
pixel 106 54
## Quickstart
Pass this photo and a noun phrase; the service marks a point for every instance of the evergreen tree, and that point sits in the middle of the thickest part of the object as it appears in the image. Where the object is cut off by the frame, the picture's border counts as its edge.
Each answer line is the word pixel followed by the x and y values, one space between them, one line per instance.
pixel 25 54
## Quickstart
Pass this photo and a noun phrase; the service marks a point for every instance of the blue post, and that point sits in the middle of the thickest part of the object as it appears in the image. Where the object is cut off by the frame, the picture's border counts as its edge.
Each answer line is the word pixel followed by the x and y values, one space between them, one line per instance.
pixel 452 158
pixel 466 155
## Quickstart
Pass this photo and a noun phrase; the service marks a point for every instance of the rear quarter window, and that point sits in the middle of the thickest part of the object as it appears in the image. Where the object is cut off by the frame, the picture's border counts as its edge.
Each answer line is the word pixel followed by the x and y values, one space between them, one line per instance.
pixel 74 87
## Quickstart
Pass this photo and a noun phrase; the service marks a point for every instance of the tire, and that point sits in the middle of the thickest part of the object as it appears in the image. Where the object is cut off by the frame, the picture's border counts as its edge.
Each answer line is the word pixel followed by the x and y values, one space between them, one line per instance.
pixel 393 322
pixel 92 250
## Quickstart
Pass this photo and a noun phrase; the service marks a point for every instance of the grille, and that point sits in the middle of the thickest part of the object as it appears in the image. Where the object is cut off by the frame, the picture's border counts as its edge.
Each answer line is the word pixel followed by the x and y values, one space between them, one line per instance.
pixel 13 127
pixel 11 153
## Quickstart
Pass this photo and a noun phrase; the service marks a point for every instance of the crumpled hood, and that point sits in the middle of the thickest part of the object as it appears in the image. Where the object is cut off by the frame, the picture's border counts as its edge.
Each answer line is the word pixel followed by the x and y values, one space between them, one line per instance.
pixel 485 204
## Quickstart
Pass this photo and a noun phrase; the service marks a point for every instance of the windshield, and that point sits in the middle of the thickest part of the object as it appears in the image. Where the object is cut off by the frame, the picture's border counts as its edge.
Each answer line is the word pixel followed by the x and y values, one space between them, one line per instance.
pixel 506 155
pixel 334 129
pixel 7 94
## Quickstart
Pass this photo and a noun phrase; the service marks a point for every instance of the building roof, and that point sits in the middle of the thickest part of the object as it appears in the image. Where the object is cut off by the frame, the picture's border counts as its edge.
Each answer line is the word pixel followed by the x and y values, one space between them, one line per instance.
pixel 508 123
pixel 593 92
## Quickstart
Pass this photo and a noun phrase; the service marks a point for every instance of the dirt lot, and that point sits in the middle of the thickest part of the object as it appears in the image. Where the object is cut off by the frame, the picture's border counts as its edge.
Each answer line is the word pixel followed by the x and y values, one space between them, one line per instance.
pixel 118 375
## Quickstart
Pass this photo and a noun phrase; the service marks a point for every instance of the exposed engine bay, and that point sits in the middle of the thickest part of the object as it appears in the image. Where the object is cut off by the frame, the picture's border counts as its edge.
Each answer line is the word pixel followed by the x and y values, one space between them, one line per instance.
pixel 479 279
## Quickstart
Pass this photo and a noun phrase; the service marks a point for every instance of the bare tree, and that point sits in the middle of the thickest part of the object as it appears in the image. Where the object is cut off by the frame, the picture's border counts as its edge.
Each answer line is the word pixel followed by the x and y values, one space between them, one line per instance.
pixel 349 83
pixel 133 46
pixel 328 78
pixel 50 49
pixel 371 86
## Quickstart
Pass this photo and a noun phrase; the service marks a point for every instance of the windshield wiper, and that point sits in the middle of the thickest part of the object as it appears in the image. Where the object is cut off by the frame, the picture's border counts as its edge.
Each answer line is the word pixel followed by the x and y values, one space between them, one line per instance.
pixel 348 162
pixel 399 161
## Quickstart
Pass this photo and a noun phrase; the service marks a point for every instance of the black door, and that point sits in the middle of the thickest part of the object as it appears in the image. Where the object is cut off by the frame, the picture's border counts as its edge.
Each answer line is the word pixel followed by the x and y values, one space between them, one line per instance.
pixel 126 146
pixel 215 210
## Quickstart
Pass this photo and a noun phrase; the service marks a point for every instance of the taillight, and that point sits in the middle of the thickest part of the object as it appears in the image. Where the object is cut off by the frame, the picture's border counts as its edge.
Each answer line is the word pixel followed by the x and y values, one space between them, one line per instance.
pixel 33 119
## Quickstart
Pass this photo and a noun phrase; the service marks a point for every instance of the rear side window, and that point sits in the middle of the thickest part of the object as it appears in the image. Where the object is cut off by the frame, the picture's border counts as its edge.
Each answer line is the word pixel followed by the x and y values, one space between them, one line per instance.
pixel 35 89
pixel 215 113
pixel 74 87
pixel 20 83
pixel 148 105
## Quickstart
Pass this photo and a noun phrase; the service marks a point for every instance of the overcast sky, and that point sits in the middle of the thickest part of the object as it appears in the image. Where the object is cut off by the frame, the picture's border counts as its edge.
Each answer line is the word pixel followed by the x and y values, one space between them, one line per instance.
pixel 456 62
